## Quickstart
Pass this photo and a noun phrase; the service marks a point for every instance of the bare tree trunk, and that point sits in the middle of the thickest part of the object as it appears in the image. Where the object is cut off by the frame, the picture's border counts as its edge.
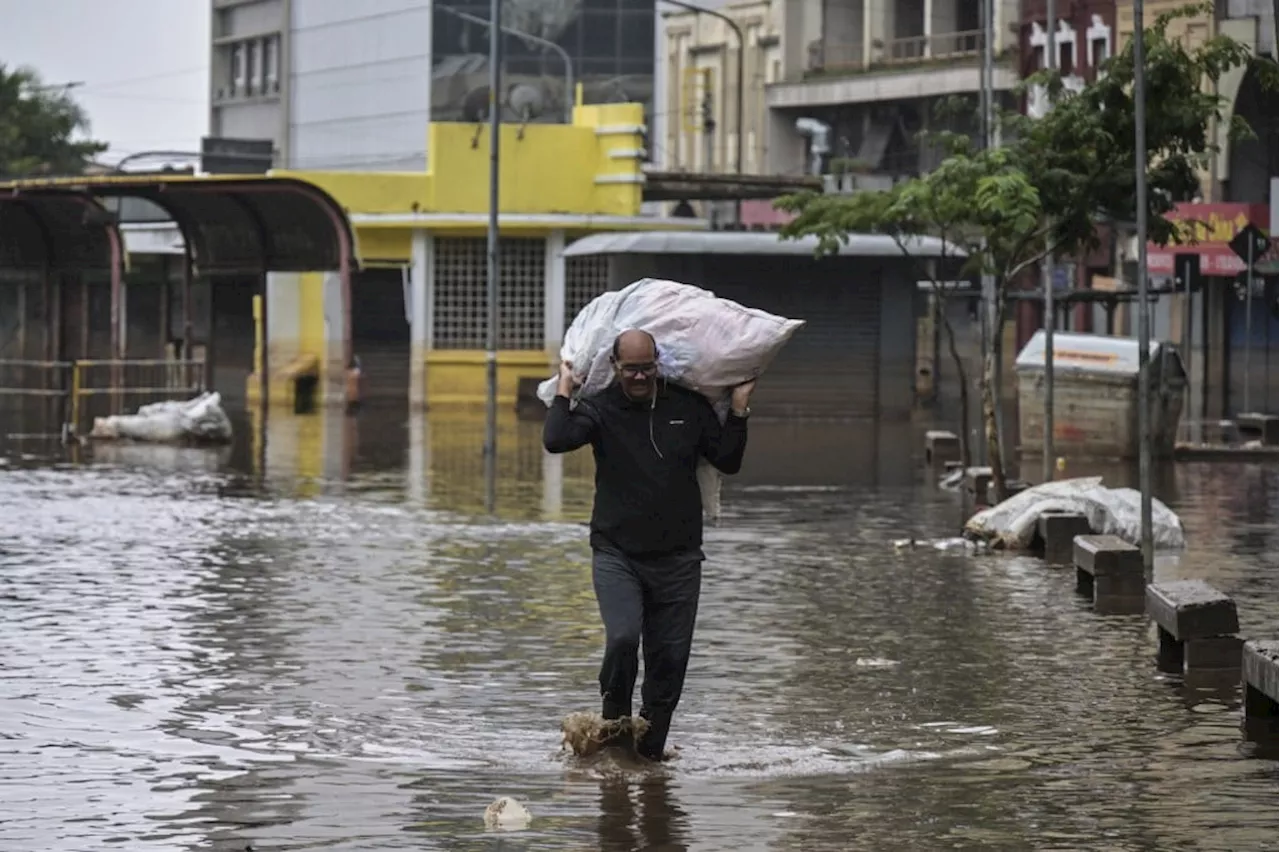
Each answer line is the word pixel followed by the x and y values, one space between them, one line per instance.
pixel 990 403
pixel 962 374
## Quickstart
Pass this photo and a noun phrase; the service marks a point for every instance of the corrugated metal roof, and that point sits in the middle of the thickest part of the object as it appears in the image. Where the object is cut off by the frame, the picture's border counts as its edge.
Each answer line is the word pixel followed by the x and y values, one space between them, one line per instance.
pixel 740 242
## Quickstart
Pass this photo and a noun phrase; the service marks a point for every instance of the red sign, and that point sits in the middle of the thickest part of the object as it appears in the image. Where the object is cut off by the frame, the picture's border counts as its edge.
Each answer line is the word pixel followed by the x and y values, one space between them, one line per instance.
pixel 1207 230
pixel 760 212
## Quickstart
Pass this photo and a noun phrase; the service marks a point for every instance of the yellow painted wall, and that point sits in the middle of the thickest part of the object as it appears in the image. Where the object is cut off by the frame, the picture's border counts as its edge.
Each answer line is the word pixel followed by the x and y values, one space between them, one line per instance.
pixel 457 376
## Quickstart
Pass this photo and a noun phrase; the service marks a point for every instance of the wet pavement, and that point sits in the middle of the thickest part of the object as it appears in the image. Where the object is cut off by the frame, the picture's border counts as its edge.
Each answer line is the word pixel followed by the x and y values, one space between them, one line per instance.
pixel 316 640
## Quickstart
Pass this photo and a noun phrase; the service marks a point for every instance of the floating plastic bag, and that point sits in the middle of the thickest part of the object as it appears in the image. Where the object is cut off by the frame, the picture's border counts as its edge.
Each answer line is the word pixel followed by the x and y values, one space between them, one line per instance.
pixel 200 420
pixel 1110 511
pixel 705 343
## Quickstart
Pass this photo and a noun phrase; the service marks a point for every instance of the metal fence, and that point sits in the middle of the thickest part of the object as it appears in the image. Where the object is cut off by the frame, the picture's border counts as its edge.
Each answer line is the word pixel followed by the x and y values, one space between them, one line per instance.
pixel 72 393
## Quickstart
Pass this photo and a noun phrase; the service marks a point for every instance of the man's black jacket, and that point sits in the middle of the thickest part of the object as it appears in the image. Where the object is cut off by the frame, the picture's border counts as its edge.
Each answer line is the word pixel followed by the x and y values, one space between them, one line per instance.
pixel 647 497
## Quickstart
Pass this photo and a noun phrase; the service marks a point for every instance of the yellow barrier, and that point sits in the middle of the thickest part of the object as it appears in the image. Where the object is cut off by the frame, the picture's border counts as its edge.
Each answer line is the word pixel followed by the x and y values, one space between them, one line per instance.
pixel 77 384
pixel 153 380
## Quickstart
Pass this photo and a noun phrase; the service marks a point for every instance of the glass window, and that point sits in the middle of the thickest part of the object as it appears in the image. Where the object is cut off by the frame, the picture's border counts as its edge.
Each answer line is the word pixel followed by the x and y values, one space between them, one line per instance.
pixel 271 64
pixel 253 62
pixel 236 69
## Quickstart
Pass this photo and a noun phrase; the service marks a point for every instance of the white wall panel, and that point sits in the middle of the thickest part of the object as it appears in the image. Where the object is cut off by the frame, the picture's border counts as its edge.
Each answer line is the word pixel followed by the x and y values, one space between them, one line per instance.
pixel 360 79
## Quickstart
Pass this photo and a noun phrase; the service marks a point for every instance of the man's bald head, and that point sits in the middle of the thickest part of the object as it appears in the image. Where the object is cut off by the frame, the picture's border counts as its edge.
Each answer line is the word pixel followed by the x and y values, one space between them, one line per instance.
pixel 635 358
pixel 635 346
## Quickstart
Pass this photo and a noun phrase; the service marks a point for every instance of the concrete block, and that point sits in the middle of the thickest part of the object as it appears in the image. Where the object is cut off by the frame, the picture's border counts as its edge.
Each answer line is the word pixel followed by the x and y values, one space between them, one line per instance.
pixel 1109 570
pixel 1058 531
pixel 1191 609
pixel 940 447
pixel 1259 427
pixel 976 480
pixel 1259 710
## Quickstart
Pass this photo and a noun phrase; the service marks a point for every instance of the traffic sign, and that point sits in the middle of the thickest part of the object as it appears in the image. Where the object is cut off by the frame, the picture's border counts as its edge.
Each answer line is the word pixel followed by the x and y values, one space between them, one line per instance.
pixel 1186 271
pixel 1249 243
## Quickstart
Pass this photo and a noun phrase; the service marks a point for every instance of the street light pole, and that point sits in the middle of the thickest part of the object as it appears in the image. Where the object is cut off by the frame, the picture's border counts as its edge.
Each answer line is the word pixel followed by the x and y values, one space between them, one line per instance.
pixel 491 332
pixel 1144 306
pixel 1050 311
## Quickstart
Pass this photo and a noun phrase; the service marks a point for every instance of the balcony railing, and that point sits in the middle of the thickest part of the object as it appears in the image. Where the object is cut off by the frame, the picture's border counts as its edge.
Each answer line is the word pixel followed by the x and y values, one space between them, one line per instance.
pixel 832 57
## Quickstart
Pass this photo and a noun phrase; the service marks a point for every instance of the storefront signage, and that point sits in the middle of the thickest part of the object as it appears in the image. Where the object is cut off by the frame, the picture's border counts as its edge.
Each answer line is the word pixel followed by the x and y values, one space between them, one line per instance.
pixel 1207 230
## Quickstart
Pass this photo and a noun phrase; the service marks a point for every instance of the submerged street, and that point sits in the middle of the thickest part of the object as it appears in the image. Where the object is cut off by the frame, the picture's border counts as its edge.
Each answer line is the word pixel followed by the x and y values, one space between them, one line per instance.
pixel 320 642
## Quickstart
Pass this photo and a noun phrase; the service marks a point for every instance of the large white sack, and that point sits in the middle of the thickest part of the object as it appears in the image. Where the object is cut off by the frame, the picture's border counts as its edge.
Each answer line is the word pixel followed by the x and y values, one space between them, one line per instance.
pixel 199 420
pixel 705 343
pixel 1110 511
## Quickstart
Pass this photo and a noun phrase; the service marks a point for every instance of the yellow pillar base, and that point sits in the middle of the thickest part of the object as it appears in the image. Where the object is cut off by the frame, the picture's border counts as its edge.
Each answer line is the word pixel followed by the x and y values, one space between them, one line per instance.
pixel 457 376
pixel 285 385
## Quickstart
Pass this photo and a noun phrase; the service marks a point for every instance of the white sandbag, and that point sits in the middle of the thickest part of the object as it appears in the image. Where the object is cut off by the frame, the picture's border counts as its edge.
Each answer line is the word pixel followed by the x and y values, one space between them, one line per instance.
pixel 705 343
pixel 1110 511
pixel 198 420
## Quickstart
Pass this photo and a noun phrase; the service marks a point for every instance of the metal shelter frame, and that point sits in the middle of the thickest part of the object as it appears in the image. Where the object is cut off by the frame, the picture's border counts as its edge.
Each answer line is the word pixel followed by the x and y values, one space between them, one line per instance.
pixel 247 225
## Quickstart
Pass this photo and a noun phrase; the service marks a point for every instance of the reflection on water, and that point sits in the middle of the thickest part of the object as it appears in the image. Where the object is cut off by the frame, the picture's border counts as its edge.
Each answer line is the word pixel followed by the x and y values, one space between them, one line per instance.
pixel 314 639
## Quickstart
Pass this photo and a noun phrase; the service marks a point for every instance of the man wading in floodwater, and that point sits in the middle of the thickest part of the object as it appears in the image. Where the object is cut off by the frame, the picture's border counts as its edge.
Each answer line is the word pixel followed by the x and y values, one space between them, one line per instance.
pixel 646 525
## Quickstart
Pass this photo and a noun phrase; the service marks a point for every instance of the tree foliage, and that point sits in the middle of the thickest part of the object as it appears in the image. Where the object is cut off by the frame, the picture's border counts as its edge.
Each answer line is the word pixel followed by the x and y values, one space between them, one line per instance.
pixel 1054 178
pixel 39 126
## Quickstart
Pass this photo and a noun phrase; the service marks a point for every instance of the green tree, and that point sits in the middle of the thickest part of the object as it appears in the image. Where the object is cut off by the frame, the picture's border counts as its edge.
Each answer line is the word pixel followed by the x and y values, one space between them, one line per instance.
pixel 1044 192
pixel 38 126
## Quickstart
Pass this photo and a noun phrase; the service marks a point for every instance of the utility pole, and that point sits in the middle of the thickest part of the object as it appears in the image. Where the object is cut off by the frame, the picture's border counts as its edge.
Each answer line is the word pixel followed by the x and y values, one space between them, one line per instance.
pixel 491 298
pixel 1050 311
pixel 1144 306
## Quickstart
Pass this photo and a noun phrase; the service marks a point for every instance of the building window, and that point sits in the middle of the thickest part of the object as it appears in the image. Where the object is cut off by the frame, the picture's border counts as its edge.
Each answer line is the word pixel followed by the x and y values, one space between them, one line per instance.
pixel 1099 41
pixel 271 64
pixel 253 63
pixel 238 77
pixel 1066 57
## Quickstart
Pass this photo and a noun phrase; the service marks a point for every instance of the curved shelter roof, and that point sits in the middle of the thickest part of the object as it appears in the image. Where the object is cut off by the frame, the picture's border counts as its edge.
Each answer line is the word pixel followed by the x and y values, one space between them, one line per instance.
pixel 233 224
pixel 748 242
pixel 64 231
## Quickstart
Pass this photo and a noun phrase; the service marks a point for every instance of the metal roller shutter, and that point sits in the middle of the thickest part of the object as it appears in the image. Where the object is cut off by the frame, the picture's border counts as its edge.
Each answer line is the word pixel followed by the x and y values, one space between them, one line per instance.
pixel 831 367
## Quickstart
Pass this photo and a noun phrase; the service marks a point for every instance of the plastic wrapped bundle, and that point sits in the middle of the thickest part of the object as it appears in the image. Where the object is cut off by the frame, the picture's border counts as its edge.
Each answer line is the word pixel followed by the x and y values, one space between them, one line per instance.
pixel 705 343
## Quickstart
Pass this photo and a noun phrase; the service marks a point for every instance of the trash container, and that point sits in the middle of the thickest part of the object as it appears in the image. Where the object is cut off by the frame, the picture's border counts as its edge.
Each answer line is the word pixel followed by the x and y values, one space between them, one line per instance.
pixel 1095 412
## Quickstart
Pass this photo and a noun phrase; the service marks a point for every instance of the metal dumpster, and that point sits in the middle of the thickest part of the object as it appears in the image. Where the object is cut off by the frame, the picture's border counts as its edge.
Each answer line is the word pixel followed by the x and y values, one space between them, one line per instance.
pixel 1096 395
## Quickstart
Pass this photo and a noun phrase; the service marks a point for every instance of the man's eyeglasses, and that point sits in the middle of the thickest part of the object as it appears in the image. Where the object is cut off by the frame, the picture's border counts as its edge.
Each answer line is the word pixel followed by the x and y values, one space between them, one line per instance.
pixel 638 371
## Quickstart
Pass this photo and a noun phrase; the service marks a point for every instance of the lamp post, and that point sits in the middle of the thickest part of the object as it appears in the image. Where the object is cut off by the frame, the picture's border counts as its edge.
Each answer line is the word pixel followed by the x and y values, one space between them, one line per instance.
pixel 1144 306
pixel 491 297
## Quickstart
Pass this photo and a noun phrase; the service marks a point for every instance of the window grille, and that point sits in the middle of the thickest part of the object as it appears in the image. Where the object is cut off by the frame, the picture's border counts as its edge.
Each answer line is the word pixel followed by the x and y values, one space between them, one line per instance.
pixel 460 290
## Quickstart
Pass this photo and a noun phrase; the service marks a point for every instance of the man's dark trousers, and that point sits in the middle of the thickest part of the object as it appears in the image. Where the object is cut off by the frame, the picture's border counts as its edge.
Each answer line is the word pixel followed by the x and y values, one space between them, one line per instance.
pixel 653 600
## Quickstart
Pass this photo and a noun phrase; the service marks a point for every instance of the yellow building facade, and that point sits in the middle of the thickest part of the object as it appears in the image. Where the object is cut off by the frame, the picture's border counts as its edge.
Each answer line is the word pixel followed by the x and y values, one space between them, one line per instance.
pixel 557 183
pixel 1195 31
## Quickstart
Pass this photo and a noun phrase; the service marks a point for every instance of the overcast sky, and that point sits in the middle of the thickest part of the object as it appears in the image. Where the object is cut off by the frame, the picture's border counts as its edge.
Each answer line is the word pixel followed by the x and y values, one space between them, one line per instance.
pixel 144 64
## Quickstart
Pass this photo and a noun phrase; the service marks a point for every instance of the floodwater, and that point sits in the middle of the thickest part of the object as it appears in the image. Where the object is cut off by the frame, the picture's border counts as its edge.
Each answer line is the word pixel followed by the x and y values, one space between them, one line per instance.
pixel 317 640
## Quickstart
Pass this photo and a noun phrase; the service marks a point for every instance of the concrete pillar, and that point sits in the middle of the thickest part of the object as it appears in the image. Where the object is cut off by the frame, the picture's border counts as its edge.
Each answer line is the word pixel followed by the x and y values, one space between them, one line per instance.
pixel 553 318
pixel 335 391
pixel 928 28
pixel 282 317
pixel 421 297
pixel 552 485
pixel 418 479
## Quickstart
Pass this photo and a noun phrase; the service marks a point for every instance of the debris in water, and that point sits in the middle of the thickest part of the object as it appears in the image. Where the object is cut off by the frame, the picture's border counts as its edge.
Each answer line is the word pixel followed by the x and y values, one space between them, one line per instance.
pixel 587 733
pixel 506 814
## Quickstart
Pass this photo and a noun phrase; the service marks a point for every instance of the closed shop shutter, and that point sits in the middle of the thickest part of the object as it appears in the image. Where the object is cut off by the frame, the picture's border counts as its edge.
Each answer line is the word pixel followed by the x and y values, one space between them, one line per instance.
pixel 831 367
pixel 380 334
pixel 1256 329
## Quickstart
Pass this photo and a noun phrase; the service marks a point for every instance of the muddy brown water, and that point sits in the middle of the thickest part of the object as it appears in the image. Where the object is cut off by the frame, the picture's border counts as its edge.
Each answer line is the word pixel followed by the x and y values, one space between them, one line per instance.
pixel 317 640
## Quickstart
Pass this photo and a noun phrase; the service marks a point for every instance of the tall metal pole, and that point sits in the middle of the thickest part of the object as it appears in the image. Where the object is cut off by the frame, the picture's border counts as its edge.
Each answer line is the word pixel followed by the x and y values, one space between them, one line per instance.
pixel 1144 307
pixel 1248 323
pixel 991 139
pixel 491 298
pixel 1050 312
